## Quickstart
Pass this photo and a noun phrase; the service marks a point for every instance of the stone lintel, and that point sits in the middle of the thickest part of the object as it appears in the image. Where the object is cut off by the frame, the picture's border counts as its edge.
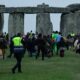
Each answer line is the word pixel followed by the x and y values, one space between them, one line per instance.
pixel 34 10
pixel 1 6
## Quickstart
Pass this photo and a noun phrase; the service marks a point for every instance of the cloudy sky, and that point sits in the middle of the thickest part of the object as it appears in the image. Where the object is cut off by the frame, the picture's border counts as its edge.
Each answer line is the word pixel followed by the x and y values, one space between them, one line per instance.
pixel 30 19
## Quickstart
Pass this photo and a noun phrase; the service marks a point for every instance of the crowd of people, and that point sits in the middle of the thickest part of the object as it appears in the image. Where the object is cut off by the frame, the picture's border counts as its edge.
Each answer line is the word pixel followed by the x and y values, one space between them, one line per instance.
pixel 37 45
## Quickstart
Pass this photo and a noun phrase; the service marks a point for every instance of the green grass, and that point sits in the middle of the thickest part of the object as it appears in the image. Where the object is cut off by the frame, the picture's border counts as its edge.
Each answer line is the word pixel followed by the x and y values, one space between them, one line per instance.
pixel 55 68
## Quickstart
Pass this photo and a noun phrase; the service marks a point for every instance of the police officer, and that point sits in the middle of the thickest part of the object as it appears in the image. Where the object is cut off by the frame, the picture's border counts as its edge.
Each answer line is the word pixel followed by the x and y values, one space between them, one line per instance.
pixel 18 51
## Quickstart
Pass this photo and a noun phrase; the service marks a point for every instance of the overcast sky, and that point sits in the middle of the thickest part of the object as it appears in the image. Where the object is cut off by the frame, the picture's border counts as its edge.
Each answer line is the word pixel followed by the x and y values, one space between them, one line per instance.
pixel 30 19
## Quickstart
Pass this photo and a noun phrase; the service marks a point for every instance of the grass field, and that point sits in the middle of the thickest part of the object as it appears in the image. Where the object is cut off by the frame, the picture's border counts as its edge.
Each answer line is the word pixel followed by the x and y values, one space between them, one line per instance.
pixel 55 68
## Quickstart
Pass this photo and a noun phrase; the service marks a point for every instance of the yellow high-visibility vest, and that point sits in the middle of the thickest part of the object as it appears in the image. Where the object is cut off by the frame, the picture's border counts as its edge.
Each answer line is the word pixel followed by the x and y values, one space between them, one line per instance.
pixel 17 41
pixel 72 34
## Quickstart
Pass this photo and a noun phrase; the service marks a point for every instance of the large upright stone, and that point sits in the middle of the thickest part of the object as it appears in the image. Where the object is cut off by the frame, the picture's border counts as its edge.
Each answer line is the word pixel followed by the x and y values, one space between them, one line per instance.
pixel 1 22
pixel 70 23
pixel 1 19
pixel 16 23
pixel 43 22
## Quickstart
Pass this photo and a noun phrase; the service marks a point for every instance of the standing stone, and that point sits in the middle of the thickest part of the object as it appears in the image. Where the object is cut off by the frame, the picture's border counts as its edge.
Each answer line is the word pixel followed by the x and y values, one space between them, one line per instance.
pixel 16 23
pixel 67 24
pixel 1 22
pixel 43 22
pixel 1 19
pixel 70 22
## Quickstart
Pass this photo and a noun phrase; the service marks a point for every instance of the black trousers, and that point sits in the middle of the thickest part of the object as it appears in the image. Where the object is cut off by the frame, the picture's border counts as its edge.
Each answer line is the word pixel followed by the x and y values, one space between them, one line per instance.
pixel 42 49
pixel 18 57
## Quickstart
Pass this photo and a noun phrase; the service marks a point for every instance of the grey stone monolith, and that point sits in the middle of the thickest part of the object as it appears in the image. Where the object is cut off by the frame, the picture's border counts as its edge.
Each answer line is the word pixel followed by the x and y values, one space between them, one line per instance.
pixel 16 23
pixel 1 22
pixel 43 22
pixel 1 19
pixel 70 22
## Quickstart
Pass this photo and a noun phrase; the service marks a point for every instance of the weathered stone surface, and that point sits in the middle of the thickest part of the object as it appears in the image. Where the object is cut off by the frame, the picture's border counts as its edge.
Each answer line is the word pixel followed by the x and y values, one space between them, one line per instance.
pixel 1 22
pixel 74 7
pixel 1 19
pixel 71 22
pixel 67 24
pixel 33 10
pixel 43 22
pixel 16 23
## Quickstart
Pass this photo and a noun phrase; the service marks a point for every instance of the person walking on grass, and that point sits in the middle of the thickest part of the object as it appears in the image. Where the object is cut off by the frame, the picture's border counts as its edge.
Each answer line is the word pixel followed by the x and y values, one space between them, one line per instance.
pixel 40 42
pixel 18 50
pixel 3 45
